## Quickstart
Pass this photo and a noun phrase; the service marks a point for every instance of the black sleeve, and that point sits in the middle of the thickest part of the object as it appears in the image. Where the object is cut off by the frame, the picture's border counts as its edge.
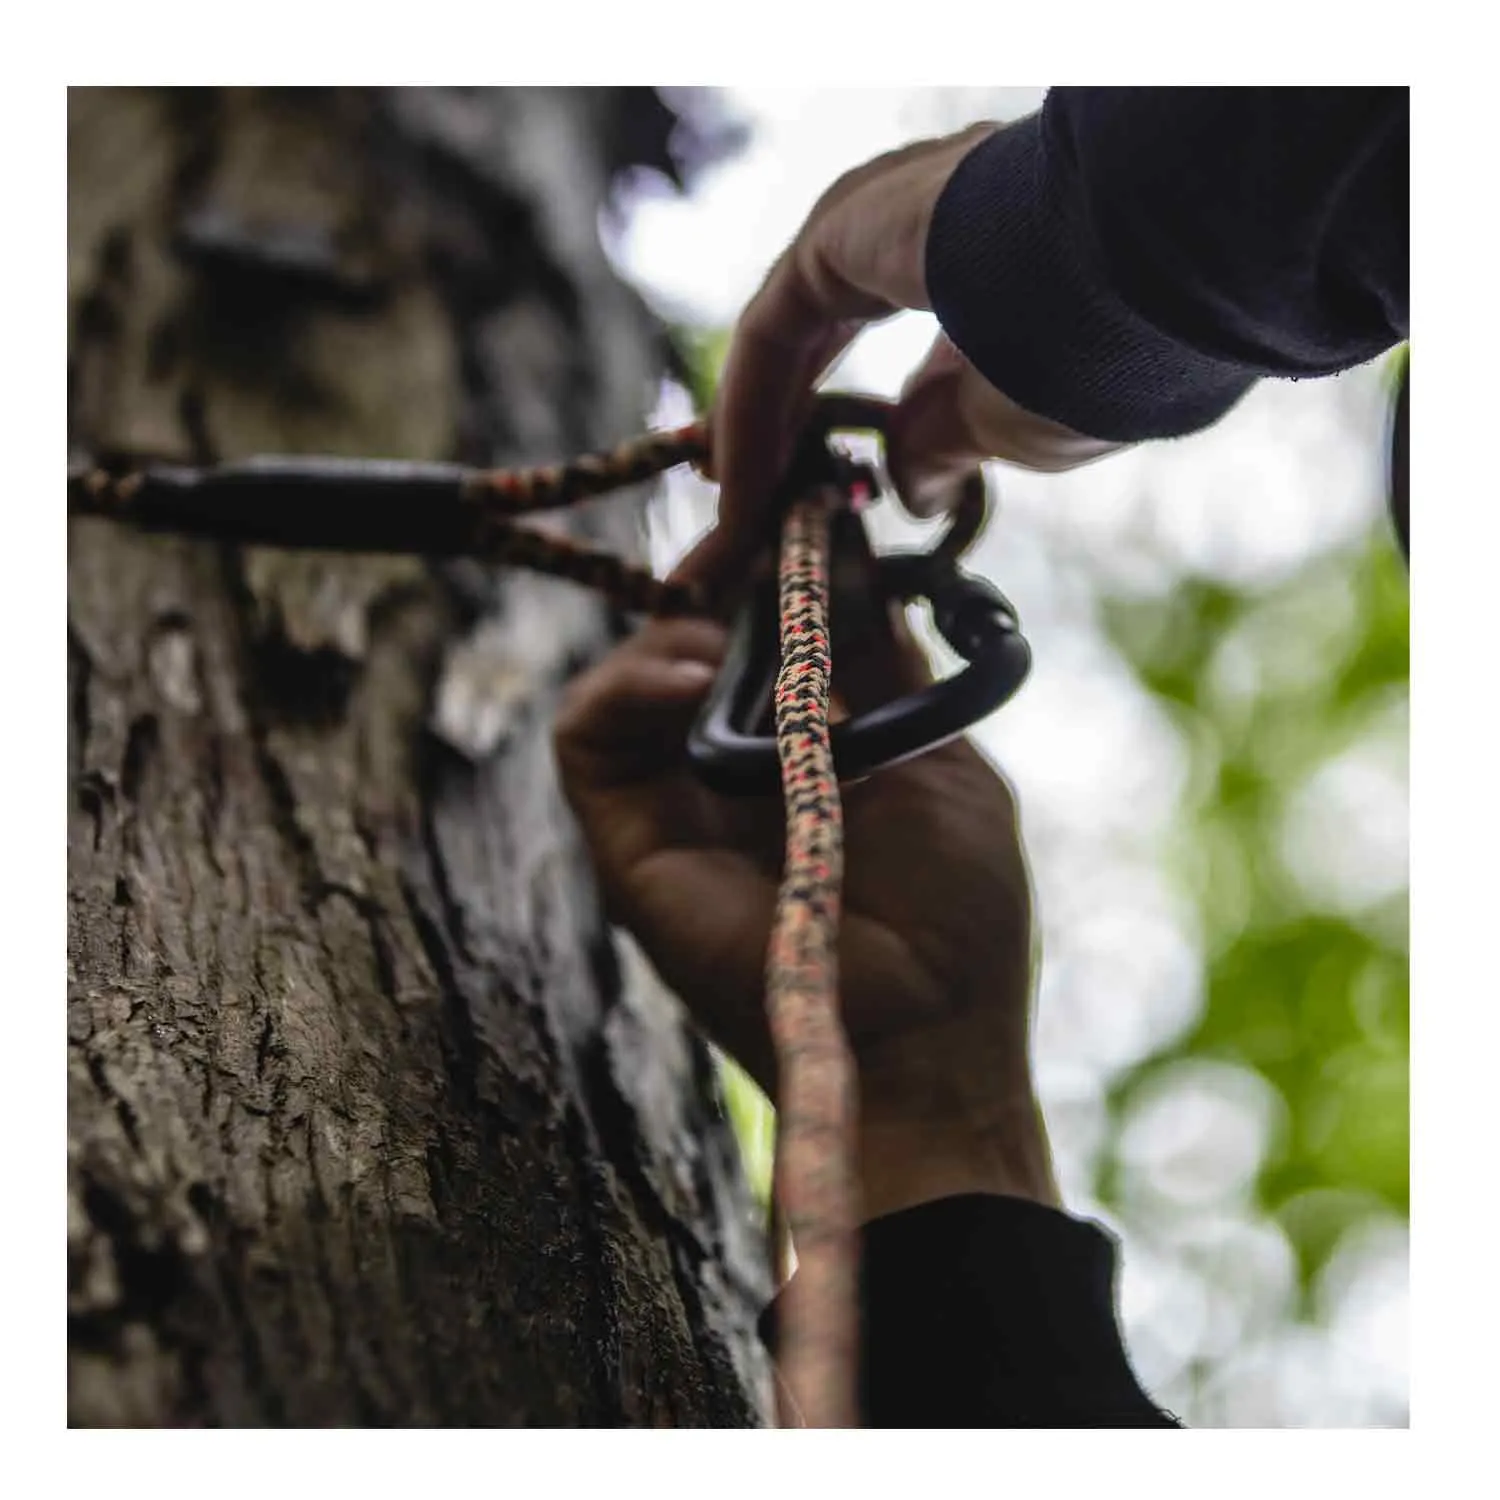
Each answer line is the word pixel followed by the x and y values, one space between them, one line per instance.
pixel 991 1312
pixel 1129 261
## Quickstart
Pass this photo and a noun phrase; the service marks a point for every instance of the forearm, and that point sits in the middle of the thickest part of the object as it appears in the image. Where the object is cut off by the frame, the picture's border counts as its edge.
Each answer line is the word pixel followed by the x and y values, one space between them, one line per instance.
pixel 1128 261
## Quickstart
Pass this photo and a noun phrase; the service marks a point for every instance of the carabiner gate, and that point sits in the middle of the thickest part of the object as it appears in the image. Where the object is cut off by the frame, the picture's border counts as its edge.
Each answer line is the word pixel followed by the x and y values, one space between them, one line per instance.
pixel 732 747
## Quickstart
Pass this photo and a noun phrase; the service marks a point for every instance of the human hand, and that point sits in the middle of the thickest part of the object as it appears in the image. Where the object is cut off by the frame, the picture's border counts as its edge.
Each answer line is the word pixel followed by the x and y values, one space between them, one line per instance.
pixel 935 941
pixel 860 257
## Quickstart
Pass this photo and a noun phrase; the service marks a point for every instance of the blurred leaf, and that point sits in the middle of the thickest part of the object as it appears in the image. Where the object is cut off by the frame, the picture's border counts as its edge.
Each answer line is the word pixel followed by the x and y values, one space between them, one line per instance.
pixel 1267 688
pixel 754 1121
pixel 697 356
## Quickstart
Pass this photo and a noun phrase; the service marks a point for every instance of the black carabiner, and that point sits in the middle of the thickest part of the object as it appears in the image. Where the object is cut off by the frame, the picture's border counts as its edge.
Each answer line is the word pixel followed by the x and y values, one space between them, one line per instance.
pixel 732 747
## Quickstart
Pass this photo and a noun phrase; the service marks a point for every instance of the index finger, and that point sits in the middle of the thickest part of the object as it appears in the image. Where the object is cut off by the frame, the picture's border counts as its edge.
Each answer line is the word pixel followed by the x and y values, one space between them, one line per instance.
pixel 630 709
pixel 787 336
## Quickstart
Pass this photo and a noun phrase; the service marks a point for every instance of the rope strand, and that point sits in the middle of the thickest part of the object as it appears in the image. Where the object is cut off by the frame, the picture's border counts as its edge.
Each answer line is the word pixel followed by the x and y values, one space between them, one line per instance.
pixel 439 510
pixel 815 1135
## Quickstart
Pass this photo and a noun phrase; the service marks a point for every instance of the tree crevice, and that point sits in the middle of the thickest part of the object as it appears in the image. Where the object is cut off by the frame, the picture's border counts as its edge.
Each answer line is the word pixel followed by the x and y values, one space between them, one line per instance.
pixel 343 1149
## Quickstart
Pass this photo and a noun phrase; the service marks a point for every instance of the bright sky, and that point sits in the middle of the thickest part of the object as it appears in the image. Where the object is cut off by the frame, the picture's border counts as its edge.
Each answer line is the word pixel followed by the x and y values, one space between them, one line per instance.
pixel 704 255
pixel 1295 470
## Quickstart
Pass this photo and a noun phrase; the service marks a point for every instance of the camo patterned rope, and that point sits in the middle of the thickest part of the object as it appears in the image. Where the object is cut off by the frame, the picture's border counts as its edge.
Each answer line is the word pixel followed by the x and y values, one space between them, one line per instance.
pixel 550 487
pixel 626 585
pixel 815 1178
pixel 380 505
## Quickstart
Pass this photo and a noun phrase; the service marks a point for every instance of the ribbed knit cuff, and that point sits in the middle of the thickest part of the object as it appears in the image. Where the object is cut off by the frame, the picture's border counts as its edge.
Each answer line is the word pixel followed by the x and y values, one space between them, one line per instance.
pixel 985 1311
pixel 1016 284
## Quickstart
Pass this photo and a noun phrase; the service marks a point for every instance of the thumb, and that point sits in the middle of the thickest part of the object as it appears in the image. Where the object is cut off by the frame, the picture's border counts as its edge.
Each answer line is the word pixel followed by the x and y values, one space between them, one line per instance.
pixel 950 418
pixel 931 437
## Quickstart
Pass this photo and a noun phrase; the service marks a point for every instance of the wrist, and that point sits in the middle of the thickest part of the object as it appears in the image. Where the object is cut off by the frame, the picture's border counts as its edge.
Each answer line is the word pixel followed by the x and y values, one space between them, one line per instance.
pixel 905 1160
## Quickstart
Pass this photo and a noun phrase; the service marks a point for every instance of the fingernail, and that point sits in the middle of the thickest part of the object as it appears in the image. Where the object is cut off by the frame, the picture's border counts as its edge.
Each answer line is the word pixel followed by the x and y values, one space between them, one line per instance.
pixel 693 674
pixel 936 497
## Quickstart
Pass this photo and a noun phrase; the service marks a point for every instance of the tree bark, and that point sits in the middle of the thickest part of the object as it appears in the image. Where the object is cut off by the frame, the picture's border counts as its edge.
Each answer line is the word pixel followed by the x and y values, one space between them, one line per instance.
pixel 369 1123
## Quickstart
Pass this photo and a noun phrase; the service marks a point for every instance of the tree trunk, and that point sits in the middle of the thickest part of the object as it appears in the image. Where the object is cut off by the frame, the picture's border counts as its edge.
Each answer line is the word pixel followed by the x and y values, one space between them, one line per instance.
pixel 368 1121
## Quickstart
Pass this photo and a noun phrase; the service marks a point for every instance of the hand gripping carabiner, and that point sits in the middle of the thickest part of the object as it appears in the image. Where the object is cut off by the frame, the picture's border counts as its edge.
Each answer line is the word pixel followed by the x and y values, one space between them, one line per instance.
pixel 731 745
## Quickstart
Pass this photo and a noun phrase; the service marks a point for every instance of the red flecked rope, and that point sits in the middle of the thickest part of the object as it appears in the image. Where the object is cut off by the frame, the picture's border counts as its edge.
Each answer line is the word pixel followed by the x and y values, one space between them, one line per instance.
pixel 471 512
pixel 815 1178
pixel 442 510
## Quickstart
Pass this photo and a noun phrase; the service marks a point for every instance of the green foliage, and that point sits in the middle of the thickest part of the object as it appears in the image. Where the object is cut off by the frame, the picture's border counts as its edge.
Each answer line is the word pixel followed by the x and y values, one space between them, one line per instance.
pixel 1314 1000
pixel 698 355
pixel 754 1121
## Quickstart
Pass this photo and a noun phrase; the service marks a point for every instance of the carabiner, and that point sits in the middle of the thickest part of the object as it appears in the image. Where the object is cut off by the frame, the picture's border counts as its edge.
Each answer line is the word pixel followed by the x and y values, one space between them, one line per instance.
pixel 731 745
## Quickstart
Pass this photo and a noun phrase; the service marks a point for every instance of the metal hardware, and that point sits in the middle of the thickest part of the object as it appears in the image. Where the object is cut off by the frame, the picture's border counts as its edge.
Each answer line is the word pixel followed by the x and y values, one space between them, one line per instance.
pixel 731 745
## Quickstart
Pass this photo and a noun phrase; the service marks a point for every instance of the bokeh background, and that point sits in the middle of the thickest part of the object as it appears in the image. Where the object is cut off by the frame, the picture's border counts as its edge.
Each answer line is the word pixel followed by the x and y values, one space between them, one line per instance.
pixel 1211 759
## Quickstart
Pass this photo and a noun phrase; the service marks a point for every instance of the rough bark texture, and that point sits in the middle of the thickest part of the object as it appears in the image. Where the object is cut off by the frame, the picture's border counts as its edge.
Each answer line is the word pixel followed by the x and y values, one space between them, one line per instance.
pixel 368 1122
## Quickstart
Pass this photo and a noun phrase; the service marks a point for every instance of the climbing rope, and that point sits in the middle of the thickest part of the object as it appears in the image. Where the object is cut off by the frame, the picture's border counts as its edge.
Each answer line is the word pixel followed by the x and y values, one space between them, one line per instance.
pixel 814 1173
pixel 450 510
pixel 375 505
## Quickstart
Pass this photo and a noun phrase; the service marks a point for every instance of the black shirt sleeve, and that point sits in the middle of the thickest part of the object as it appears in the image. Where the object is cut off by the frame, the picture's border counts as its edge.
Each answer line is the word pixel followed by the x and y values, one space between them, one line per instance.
pixel 1129 261
pixel 985 1311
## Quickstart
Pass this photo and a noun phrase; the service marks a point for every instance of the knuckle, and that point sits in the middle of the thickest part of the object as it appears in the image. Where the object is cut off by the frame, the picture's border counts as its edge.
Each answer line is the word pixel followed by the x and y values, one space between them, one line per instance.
pixel 691 636
pixel 576 708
